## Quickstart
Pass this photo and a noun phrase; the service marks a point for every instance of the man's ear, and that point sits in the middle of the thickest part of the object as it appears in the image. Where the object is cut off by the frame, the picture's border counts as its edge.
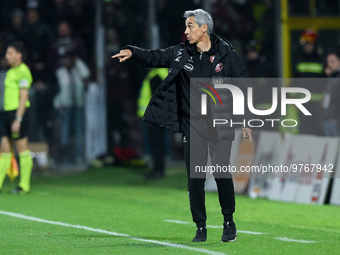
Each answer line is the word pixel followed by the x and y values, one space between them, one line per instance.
pixel 205 28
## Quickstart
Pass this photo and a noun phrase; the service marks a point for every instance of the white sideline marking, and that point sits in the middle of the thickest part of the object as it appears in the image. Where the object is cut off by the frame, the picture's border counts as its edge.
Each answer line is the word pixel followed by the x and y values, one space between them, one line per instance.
pixel 178 221
pixel 250 232
pixel 21 216
pixel 286 239
pixel 211 226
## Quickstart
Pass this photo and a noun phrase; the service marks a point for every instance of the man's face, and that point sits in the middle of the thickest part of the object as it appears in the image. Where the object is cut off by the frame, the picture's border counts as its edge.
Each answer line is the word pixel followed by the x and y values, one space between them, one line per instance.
pixel 308 48
pixel 69 61
pixel 64 29
pixel 12 56
pixel 32 16
pixel 193 31
pixel 333 62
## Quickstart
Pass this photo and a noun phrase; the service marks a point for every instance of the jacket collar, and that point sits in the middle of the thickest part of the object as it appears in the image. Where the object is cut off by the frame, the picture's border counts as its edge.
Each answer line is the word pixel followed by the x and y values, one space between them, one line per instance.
pixel 219 46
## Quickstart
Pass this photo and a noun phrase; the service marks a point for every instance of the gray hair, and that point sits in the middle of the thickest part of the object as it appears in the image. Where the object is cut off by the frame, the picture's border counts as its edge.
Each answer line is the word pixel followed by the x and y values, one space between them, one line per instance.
pixel 201 17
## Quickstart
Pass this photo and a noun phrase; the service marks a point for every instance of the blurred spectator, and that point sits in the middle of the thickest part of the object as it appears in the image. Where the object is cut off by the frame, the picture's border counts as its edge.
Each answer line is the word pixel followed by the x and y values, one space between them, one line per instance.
pixel 127 16
pixel 82 22
pixel 32 4
pixel 14 28
pixel 232 21
pixel 331 103
pixel 65 42
pixel 72 79
pixel 37 37
pixel 163 16
pixel 45 88
pixel 259 67
pixel 60 12
pixel 117 92
pixel 3 70
pixel 257 64
pixel 327 8
pixel 172 32
pixel 154 138
pixel 116 16
pixel 299 8
pixel 6 9
pixel 308 64
pixel 112 41
pixel 264 28
pixel 311 8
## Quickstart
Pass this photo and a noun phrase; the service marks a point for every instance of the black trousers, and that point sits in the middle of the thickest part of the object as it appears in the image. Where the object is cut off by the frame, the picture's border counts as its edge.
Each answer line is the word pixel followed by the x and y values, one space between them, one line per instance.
pixel 198 141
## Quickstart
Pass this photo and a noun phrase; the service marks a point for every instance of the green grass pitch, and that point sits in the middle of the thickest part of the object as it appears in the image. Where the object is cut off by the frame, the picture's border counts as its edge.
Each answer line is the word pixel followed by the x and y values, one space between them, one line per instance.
pixel 134 212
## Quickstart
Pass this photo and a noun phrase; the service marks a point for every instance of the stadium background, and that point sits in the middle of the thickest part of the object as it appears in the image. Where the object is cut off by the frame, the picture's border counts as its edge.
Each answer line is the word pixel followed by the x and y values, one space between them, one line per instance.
pixel 115 158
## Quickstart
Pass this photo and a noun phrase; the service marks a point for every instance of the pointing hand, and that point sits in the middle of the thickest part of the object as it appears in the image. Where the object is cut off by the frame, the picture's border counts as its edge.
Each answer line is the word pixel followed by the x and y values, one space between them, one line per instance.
pixel 123 55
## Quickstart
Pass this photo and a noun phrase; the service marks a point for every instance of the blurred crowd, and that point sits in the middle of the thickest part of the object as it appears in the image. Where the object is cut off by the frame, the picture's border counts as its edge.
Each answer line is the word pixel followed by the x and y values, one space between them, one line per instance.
pixel 60 34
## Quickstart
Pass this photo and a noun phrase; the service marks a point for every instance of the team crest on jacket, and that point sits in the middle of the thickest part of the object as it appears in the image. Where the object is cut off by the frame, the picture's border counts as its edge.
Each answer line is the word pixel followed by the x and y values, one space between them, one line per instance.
pixel 218 67
pixel 212 57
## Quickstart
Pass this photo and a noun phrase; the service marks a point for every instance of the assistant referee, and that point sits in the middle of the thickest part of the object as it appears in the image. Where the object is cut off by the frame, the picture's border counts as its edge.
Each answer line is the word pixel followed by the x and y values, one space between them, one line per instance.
pixel 14 124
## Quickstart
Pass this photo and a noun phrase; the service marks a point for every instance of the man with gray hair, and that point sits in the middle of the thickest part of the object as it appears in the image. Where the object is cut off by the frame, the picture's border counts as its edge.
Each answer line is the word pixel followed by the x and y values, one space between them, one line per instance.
pixel 203 55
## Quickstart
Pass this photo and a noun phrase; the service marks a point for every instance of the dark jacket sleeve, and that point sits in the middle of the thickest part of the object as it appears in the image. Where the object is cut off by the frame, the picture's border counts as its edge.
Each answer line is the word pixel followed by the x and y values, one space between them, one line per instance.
pixel 241 79
pixel 238 70
pixel 152 58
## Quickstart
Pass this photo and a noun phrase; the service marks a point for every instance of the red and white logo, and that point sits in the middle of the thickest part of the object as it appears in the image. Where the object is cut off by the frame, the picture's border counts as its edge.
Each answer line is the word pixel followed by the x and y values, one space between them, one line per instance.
pixel 212 57
pixel 218 67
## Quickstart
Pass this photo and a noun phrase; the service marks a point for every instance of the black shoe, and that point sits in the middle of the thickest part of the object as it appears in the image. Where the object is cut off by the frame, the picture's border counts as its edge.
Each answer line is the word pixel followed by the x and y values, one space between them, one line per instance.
pixel 154 175
pixel 17 190
pixel 201 235
pixel 229 232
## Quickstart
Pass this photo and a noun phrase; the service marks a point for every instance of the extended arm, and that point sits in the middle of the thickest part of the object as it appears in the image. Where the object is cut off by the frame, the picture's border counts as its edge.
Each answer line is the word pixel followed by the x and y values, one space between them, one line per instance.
pixel 151 58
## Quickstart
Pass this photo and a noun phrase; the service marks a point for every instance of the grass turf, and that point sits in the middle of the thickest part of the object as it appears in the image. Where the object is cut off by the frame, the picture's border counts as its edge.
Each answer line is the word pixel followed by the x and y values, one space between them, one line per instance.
pixel 120 200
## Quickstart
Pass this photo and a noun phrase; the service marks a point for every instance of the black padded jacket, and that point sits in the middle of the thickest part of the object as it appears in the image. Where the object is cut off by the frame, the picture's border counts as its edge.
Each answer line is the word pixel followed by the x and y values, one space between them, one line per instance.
pixel 163 110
